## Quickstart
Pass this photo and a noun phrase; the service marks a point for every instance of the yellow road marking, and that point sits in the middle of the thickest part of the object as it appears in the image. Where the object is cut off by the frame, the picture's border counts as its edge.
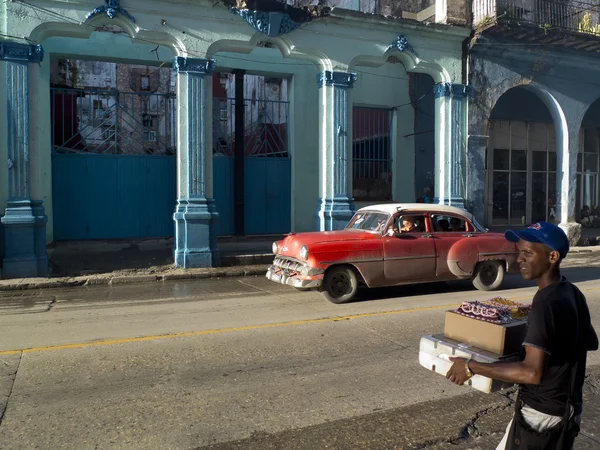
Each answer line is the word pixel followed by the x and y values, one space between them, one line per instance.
pixel 220 330
pixel 233 329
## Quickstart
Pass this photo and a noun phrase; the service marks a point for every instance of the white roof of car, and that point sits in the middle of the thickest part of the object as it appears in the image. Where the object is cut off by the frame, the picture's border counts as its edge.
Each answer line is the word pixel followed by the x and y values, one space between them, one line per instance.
pixel 392 208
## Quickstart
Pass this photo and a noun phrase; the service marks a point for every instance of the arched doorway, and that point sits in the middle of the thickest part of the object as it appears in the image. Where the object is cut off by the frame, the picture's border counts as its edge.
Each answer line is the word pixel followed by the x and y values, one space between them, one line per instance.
pixel 521 161
pixel 587 191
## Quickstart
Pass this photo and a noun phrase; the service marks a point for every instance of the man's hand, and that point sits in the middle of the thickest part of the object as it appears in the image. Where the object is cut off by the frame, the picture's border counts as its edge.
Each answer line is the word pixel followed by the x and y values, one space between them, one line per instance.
pixel 457 373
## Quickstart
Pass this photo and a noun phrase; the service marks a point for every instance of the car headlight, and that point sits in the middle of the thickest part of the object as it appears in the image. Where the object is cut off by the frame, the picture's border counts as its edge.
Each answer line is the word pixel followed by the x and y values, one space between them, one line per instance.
pixel 304 252
pixel 274 248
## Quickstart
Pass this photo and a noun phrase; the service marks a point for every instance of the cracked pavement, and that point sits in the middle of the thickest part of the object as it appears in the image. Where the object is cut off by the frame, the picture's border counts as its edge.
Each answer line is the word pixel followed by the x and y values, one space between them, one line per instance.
pixel 246 364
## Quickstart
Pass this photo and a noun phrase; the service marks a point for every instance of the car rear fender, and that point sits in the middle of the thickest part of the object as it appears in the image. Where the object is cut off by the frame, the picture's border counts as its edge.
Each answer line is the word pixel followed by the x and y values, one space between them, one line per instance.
pixel 463 256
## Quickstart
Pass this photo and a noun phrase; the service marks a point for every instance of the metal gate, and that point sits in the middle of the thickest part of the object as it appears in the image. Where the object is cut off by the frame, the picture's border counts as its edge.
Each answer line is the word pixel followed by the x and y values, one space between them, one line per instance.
pixel 113 162
pixel 267 166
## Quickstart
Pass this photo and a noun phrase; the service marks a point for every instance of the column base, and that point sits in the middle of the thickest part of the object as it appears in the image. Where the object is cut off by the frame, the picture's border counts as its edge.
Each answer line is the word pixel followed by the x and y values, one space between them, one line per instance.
pixel 214 216
pixel 25 253
pixel 334 213
pixel 195 242
pixel 573 232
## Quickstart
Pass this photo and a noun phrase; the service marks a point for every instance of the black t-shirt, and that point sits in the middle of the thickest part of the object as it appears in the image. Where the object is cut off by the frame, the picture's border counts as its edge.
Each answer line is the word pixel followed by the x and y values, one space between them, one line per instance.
pixel 556 326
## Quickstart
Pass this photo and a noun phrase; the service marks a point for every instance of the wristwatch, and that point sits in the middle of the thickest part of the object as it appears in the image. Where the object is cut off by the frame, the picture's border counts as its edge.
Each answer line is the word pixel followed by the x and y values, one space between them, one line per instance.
pixel 467 370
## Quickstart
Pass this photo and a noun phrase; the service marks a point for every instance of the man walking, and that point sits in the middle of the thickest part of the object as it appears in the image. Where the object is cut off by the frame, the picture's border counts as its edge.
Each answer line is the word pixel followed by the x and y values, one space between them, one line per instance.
pixel 551 369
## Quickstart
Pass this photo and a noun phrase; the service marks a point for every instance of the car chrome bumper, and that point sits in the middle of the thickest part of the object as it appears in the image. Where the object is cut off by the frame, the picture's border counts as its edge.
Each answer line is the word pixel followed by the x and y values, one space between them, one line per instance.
pixel 283 276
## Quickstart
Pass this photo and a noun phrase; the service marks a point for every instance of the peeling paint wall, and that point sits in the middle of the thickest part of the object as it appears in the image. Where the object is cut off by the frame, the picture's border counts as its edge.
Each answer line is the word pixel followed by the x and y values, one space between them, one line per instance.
pixel 567 84
pixel 391 8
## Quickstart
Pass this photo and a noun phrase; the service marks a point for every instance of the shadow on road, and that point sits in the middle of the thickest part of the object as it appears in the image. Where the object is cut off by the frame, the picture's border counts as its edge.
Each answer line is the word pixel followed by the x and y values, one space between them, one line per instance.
pixel 512 281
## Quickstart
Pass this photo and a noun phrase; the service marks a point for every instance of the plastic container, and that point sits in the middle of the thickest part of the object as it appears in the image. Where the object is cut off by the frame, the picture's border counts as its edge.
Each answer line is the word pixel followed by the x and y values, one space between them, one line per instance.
pixel 434 351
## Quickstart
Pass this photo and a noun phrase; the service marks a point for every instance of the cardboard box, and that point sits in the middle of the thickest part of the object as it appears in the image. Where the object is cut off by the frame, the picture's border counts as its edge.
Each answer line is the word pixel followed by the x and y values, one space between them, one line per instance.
pixel 500 339
pixel 434 352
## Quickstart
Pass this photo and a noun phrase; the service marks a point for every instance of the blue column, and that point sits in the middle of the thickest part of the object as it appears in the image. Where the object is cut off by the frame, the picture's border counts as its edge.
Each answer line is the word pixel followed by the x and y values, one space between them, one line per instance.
pixel 451 170
pixel 195 213
pixel 24 220
pixel 336 205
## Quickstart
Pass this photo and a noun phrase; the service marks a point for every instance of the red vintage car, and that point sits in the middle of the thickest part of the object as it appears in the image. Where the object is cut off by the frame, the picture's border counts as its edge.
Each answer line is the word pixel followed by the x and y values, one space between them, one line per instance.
pixel 392 245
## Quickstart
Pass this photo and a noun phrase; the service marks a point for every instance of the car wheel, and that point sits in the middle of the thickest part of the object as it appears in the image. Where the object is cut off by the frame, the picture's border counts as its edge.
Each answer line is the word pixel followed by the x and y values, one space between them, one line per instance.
pixel 339 284
pixel 489 275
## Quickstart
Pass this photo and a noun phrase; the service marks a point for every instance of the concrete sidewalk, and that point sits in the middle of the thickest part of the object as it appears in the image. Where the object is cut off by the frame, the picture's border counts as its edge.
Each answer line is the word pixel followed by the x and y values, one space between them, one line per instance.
pixel 162 273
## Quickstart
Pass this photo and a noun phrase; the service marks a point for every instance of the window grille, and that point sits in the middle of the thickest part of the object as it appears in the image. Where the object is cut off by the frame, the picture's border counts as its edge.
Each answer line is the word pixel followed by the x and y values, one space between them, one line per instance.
pixel 372 154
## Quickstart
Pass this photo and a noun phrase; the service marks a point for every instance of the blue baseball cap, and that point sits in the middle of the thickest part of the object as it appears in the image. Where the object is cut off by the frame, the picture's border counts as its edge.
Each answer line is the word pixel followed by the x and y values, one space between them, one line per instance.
pixel 542 233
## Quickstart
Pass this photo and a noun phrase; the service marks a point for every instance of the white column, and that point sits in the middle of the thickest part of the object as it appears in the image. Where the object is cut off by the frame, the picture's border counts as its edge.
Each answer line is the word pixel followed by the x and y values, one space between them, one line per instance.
pixel 195 214
pixel 336 205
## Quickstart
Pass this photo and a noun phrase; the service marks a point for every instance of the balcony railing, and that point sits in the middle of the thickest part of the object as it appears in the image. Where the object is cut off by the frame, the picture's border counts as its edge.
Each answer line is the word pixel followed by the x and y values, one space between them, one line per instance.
pixel 546 14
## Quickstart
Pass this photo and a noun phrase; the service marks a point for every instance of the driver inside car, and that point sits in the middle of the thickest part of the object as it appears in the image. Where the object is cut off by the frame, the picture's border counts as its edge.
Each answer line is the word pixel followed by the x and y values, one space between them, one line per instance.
pixel 409 224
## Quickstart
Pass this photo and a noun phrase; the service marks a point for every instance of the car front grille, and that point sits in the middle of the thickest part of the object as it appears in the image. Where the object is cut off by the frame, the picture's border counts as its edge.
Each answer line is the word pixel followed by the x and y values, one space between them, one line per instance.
pixel 290 264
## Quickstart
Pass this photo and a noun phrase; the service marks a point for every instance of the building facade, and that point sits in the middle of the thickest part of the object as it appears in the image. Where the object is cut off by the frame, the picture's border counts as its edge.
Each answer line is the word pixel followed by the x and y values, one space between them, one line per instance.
pixel 288 116
pixel 534 118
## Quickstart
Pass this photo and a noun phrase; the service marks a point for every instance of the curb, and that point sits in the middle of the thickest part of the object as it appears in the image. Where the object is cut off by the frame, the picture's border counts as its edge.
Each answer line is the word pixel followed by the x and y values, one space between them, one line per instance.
pixel 114 279
pixel 249 270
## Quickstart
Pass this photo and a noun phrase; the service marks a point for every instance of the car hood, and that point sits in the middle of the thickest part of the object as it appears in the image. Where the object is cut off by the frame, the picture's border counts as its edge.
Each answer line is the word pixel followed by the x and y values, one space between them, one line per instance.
pixel 293 242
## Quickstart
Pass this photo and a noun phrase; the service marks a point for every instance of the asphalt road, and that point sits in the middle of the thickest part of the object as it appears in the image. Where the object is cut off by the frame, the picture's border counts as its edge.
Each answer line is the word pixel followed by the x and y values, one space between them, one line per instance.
pixel 244 364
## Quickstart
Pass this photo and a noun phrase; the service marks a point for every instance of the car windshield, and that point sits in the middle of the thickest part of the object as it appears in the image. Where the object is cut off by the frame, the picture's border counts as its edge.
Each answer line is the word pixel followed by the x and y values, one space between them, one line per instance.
pixel 369 221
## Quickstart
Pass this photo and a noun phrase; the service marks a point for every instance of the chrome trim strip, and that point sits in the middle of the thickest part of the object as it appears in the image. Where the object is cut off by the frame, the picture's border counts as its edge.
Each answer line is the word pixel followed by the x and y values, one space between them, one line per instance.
pixel 398 258
pixel 355 261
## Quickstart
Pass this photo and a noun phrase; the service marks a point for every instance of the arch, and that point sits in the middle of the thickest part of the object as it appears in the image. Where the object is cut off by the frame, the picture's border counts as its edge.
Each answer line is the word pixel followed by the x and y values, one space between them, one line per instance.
pixel 587 170
pixel 559 119
pixel 285 46
pixel 410 61
pixel 85 29
pixel 591 114
pixel 554 108
pixel 549 200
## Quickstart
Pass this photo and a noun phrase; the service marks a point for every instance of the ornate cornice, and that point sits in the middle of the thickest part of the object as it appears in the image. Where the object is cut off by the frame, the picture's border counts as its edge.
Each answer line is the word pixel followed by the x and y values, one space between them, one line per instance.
pixel 341 79
pixel 112 8
pixel 401 44
pixel 272 23
pixel 14 51
pixel 450 90
pixel 478 141
pixel 194 65
pixel 460 90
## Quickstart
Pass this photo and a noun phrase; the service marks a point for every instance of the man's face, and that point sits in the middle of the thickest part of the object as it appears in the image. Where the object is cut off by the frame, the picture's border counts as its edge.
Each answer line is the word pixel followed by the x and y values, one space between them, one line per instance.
pixel 535 259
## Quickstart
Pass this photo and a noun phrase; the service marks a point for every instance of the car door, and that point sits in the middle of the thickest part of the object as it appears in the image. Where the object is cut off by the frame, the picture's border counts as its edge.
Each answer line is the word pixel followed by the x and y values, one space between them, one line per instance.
pixel 408 257
pixel 444 240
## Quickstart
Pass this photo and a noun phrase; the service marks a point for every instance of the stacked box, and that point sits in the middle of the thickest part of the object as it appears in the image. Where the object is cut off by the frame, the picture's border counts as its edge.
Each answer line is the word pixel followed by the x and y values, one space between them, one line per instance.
pixel 499 338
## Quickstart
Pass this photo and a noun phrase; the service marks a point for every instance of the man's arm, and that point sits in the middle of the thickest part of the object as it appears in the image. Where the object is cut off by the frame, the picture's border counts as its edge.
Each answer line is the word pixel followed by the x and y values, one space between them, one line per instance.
pixel 528 371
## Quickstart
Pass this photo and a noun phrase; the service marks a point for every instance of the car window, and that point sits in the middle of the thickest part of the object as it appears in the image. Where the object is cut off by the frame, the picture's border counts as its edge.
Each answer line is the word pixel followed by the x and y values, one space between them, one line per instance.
pixel 410 223
pixel 447 223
